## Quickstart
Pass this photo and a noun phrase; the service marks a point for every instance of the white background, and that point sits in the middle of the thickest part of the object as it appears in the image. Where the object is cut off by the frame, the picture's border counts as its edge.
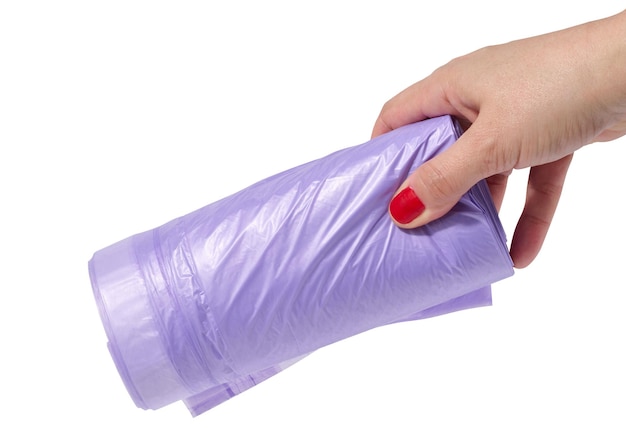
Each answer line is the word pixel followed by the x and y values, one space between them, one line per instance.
pixel 117 116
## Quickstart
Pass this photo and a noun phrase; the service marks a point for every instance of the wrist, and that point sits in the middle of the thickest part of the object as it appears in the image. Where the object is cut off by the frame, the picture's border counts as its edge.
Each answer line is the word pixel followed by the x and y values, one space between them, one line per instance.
pixel 606 45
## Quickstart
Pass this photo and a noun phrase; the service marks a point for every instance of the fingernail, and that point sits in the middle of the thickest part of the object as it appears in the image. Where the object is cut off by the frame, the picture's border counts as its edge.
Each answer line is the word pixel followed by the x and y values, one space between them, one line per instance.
pixel 406 206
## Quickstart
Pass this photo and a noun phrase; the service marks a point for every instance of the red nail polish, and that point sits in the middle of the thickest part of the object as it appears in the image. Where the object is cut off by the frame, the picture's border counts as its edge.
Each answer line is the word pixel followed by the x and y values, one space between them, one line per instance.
pixel 406 206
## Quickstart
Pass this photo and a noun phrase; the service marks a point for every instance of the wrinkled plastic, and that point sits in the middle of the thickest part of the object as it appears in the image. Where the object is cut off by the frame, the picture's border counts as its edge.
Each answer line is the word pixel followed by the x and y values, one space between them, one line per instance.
pixel 214 302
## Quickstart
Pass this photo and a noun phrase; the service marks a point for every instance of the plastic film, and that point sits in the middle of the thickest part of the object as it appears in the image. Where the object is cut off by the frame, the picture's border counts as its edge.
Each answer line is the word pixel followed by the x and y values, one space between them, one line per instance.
pixel 218 300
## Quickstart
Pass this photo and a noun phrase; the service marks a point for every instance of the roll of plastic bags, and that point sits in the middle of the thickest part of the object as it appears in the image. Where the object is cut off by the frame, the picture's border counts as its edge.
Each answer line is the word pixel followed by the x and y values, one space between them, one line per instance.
pixel 218 300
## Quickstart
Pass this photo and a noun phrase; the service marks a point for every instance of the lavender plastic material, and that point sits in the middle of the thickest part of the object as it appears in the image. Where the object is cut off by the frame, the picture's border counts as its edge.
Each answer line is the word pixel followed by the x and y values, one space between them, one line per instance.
pixel 214 302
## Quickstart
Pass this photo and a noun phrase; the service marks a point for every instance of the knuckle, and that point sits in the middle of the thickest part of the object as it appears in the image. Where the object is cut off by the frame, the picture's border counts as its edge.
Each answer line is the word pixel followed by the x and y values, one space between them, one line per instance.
pixel 439 185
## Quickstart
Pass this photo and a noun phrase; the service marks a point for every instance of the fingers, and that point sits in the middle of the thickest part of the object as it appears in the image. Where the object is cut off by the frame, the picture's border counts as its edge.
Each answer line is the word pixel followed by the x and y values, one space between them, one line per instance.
pixel 437 185
pixel 497 188
pixel 402 109
pixel 545 183
pixel 424 99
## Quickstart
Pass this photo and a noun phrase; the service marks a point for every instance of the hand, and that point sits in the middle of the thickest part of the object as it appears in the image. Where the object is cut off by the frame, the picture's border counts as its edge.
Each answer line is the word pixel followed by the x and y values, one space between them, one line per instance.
pixel 528 103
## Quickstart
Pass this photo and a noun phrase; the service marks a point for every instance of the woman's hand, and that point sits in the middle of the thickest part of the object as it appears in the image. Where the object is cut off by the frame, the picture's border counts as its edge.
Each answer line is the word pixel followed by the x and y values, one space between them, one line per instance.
pixel 528 103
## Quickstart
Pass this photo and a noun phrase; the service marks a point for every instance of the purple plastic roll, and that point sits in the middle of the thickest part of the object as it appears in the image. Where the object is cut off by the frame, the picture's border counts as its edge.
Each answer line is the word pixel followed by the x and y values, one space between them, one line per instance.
pixel 211 303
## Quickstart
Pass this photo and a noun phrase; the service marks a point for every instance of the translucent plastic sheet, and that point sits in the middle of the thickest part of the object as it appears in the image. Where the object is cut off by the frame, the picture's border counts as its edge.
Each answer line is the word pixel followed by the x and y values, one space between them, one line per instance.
pixel 218 300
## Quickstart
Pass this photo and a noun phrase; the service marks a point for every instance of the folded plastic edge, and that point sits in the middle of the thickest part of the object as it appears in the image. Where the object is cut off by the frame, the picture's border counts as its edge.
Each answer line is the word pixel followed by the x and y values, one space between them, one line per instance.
pixel 212 397
pixel 121 296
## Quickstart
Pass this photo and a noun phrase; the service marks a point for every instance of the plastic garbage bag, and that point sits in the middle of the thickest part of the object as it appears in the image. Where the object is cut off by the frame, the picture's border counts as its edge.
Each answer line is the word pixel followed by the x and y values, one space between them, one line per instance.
pixel 218 300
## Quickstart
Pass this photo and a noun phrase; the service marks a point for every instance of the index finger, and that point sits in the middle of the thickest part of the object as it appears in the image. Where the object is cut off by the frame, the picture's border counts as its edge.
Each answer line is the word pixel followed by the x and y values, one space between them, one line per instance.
pixel 424 99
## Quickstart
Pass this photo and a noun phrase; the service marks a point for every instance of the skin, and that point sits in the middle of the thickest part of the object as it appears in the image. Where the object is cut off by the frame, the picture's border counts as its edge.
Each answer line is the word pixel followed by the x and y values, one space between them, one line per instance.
pixel 530 103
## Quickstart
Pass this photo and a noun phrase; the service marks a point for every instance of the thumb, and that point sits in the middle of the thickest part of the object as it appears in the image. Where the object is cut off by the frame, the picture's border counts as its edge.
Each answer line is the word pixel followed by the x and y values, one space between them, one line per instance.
pixel 438 184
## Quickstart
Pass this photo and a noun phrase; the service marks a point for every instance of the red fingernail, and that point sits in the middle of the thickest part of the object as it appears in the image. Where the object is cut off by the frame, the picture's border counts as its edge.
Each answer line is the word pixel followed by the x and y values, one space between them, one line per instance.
pixel 406 206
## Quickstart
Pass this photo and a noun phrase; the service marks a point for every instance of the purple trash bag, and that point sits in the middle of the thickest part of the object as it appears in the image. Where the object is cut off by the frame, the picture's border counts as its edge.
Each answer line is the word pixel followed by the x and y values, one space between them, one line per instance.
pixel 216 301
